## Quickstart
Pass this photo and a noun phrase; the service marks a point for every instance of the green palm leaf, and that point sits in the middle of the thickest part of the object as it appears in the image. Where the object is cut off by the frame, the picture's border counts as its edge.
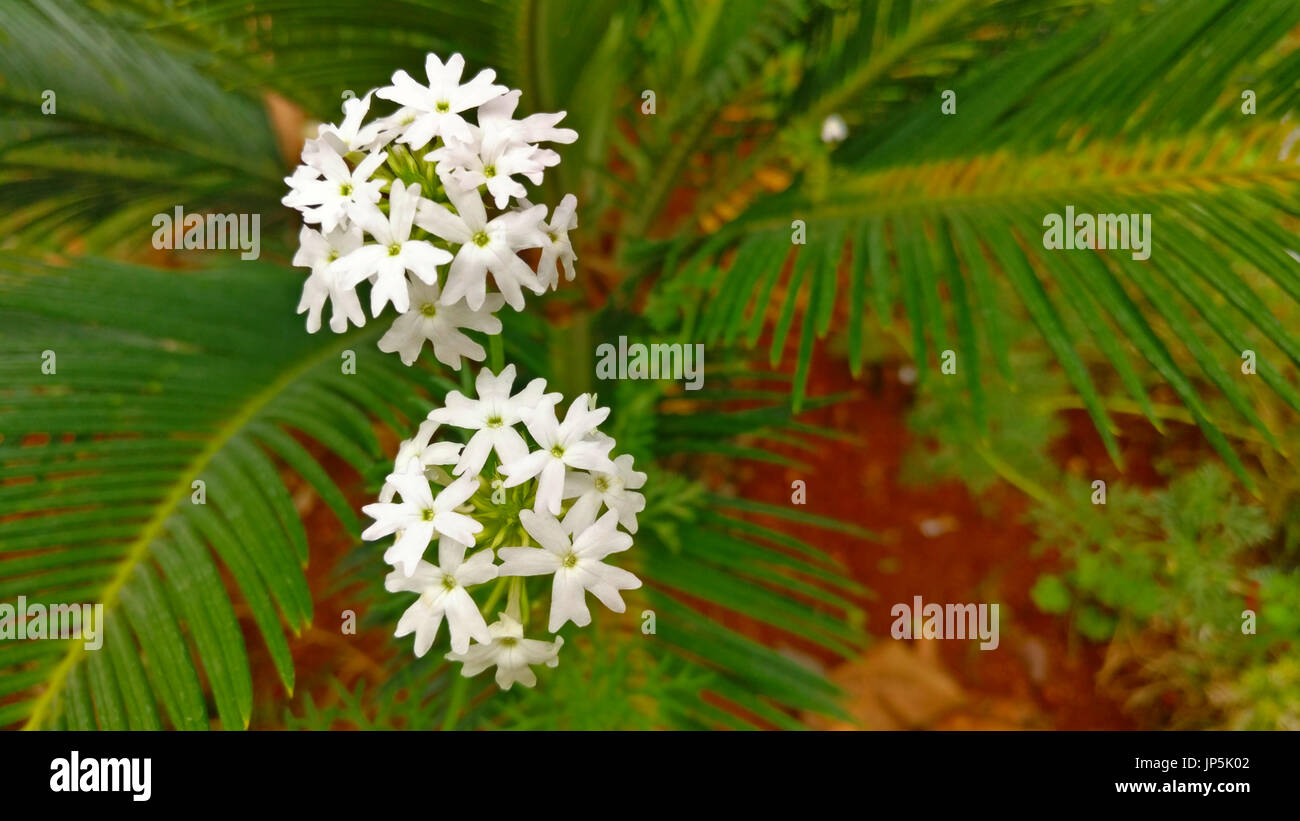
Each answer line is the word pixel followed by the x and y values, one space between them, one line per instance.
pixel 953 236
pixel 182 379
pixel 135 130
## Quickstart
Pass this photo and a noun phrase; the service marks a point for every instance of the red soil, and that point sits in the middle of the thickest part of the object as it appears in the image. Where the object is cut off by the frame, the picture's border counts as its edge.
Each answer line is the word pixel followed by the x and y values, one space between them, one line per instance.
pixel 1039 676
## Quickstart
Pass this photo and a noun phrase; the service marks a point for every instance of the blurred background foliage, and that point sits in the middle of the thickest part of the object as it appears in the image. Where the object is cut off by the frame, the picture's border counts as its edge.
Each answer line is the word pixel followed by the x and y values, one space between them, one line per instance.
pixel 922 236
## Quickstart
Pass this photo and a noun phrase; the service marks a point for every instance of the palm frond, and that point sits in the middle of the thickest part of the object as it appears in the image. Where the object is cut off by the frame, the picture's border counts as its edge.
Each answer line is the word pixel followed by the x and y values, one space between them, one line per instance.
pixel 950 238
pixel 134 131
pixel 150 390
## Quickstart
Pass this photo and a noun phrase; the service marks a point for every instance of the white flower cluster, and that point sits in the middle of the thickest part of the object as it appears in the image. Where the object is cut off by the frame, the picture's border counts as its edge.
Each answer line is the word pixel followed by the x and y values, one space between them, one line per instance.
pixel 534 502
pixel 394 199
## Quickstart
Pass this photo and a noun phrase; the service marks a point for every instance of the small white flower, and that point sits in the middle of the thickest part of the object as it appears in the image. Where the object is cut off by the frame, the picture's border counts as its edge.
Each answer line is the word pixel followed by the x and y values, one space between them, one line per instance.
pixel 302 176
pixel 510 653
pixel 560 445
pixel 439 104
pixel 341 194
pixel 350 135
pixel 833 129
pixel 492 417
pixel 442 593
pixel 396 253
pixel 616 490
pixel 485 246
pixel 387 129
pixel 496 119
pixel 577 566
pixel 419 516
pixel 417 454
pixel 555 243
pixel 494 164
pixel 440 324
pixel 320 253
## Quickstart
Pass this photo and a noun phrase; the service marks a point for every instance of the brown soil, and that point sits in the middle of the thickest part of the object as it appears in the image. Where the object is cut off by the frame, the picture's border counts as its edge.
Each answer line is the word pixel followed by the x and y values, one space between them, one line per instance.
pixel 938 542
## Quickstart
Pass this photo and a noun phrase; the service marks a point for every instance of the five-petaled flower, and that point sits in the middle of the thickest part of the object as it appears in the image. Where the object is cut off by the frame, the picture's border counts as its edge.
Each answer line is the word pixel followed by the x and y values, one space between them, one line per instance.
pixel 492 417
pixel 395 252
pixel 560 445
pixel 486 246
pixel 438 105
pixel 510 653
pixel 419 516
pixel 442 593
pixel 576 565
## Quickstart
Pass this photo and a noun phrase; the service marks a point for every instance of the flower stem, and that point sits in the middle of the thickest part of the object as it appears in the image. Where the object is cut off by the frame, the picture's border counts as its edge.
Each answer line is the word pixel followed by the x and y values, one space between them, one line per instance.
pixel 512 606
pixel 496 353
pixel 496 595
pixel 452 716
pixel 572 358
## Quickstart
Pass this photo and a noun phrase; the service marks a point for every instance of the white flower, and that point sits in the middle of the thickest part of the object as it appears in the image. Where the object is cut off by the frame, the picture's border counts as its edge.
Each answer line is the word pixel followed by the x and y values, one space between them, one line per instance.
pixel 387 129
pixel 438 105
pixel 492 417
pixel 320 253
pixel 442 593
pixel 350 135
pixel 833 129
pixel 501 148
pixel 416 454
pixel 555 243
pixel 341 194
pixel 419 516
pixel 496 119
pixel 510 653
pixel 577 567
pixel 426 318
pixel 396 253
pixel 560 445
pixel 616 490
pixel 494 164
pixel 485 246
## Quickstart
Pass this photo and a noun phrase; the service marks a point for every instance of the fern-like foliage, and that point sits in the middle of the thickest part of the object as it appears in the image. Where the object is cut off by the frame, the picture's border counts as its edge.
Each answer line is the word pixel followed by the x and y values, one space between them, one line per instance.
pixel 142 462
pixel 1131 108
pixel 131 130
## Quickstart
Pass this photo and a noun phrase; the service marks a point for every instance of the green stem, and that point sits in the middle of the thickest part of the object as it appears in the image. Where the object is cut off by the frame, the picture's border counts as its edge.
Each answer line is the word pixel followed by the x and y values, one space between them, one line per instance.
pixel 496 353
pixel 572 357
pixel 458 688
pixel 516 591
pixel 1017 479
pixel 502 584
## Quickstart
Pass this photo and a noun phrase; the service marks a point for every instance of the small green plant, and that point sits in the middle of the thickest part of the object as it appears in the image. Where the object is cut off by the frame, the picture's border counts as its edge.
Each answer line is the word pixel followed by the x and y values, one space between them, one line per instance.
pixel 1180 581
